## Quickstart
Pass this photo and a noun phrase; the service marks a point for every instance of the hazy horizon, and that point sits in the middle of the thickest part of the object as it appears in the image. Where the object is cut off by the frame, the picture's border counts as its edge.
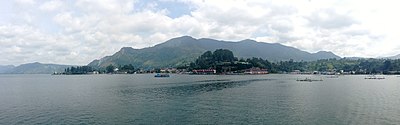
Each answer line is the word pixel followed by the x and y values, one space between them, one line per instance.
pixel 77 32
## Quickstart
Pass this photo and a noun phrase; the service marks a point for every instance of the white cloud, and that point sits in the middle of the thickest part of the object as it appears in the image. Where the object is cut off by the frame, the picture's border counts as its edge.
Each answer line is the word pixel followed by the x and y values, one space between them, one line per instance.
pixel 51 5
pixel 329 18
pixel 27 2
pixel 76 32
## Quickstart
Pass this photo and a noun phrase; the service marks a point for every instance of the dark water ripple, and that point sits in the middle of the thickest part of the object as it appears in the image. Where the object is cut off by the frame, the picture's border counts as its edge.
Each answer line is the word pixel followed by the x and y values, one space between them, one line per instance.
pixel 193 89
pixel 183 90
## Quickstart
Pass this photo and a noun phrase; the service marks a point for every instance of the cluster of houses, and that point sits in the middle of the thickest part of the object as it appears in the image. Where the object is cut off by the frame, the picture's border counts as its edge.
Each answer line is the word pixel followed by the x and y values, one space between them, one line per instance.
pixel 331 72
pixel 251 71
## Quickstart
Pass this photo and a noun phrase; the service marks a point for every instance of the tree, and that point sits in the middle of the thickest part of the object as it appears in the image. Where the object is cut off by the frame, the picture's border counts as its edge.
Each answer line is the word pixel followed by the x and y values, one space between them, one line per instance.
pixel 128 68
pixel 78 70
pixel 223 55
pixel 204 61
pixel 387 65
pixel 110 68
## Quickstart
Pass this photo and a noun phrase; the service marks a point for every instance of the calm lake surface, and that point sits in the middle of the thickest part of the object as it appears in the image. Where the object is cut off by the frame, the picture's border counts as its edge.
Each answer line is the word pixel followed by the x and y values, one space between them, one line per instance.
pixel 195 99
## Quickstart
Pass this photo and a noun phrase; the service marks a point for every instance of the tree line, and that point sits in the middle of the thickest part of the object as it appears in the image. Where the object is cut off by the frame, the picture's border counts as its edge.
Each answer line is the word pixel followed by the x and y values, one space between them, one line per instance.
pixel 76 70
pixel 221 59
pixel 359 66
pixel 130 69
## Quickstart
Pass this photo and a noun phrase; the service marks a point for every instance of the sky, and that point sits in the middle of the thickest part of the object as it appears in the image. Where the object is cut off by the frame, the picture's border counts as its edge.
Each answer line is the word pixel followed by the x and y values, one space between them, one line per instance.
pixel 77 32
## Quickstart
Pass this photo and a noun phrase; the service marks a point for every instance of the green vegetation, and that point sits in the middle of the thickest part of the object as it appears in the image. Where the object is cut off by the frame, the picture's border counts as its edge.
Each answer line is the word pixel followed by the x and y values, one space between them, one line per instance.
pixel 125 69
pixel 110 69
pixel 78 70
pixel 211 60
pixel 223 60
pixel 360 66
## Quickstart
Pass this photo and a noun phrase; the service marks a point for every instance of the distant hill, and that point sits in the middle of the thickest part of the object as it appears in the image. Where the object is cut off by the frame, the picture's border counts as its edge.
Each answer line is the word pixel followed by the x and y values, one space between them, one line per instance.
pixel 6 68
pixel 36 68
pixel 183 50
pixel 354 58
pixel 392 57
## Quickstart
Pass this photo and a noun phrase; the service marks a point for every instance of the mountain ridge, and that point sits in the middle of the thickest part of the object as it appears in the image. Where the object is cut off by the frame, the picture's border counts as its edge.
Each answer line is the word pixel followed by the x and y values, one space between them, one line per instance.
pixel 6 68
pixel 36 68
pixel 183 50
pixel 392 57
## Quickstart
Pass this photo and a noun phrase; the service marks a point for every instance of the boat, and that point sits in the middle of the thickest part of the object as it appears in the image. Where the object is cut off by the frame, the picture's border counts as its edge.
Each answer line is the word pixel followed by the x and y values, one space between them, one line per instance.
pixel 308 80
pixel 161 75
pixel 374 77
pixel 332 76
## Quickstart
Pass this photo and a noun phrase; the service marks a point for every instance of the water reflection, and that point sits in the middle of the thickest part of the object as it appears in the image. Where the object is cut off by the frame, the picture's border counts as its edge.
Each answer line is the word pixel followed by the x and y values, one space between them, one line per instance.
pixel 190 82
pixel 189 88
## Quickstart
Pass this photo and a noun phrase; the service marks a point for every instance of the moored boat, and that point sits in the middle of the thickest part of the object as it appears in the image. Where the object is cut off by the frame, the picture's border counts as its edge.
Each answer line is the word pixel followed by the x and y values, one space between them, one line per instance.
pixel 374 77
pixel 332 76
pixel 161 75
pixel 308 80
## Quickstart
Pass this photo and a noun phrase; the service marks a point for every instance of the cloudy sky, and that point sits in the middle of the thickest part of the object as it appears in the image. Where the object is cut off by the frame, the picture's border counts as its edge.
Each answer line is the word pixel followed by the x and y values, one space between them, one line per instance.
pixel 76 32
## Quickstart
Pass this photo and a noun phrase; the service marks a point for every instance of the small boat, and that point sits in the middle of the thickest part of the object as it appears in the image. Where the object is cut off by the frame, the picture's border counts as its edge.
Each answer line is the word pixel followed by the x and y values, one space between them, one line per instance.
pixel 374 77
pixel 161 75
pixel 332 76
pixel 308 80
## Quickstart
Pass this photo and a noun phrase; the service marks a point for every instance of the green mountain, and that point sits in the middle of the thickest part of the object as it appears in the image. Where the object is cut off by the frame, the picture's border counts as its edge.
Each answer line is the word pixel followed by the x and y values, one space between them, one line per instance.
pixel 183 50
pixel 36 68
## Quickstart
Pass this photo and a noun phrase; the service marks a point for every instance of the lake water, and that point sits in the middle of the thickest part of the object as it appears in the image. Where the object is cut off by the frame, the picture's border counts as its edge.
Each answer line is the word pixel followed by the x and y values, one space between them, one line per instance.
pixel 195 99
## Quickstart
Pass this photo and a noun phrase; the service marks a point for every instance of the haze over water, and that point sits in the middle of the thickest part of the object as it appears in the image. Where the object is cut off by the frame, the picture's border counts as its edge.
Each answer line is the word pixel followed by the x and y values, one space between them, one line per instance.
pixel 194 99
